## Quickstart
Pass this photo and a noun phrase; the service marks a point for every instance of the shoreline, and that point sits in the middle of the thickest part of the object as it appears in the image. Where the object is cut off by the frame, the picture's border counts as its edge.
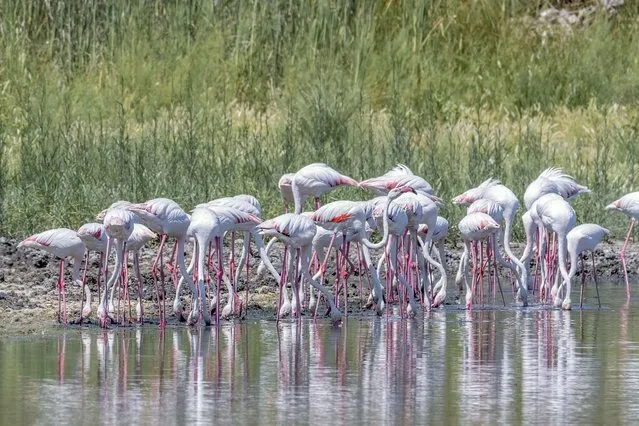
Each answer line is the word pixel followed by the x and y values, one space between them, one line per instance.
pixel 28 295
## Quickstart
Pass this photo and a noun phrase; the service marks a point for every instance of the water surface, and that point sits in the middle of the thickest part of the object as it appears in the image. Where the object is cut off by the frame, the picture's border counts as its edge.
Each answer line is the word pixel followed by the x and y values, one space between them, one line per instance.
pixel 532 366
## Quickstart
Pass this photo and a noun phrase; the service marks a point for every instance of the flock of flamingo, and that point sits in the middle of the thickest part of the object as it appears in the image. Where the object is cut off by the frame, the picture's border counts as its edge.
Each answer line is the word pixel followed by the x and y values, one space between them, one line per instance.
pixel 405 211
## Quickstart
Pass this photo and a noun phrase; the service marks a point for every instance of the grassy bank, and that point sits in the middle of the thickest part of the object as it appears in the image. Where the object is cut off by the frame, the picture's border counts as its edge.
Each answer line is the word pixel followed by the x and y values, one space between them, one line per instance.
pixel 194 100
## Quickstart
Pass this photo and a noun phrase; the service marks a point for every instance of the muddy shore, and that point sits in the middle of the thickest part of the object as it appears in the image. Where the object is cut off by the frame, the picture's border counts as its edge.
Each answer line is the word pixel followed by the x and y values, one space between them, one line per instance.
pixel 28 295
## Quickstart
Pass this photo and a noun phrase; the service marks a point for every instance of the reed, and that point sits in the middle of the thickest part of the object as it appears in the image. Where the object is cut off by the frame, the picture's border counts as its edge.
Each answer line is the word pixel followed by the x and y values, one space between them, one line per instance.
pixel 199 99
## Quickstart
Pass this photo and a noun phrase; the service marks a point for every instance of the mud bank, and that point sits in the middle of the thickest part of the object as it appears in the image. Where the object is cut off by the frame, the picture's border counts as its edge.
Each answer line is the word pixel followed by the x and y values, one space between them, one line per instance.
pixel 28 295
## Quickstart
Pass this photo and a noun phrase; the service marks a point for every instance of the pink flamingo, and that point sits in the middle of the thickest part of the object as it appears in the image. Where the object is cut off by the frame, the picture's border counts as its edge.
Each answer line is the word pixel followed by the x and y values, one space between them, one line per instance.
pixel 118 224
pixel 398 176
pixel 438 238
pixel 166 218
pixel 558 216
pixel 423 210
pixel 63 243
pixel 207 224
pixel 583 238
pixel 629 205
pixel 140 236
pixel 553 181
pixel 95 239
pixel 315 180
pixel 475 227
pixel 286 190
pixel 297 232
pixel 341 216
pixel 495 192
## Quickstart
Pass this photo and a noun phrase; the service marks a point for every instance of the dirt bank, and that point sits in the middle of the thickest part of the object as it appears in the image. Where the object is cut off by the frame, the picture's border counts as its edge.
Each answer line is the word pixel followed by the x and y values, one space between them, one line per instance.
pixel 28 295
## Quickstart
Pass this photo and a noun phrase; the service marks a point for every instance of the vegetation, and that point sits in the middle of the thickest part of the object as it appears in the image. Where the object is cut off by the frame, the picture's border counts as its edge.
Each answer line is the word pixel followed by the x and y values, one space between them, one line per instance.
pixel 105 100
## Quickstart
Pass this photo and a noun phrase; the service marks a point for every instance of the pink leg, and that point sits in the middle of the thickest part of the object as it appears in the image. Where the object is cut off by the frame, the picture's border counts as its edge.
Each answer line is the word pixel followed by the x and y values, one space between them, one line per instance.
pixel 583 282
pixel 84 283
pixel 155 280
pixel 126 282
pixel 60 278
pixel 100 271
pixel 622 255
pixel 171 266
pixel 247 282
pixel 317 203
pixel 481 272
pixel 473 252
pixel 280 286
pixel 136 264
pixel 220 273
pixel 295 284
pixel 594 276
pixel 232 265
pixel 347 248
pixel 64 294
pixel 359 274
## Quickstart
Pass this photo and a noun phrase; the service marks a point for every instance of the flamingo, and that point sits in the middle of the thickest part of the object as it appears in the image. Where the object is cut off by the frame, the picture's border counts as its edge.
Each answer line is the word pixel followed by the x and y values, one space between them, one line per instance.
pixel 166 218
pixel 553 180
pixel 397 228
pixel 584 238
pixel 95 239
pixel 118 225
pixel 325 239
pixel 398 176
pixel 341 216
pixel 63 243
pixel 559 217
pixel 438 237
pixel 422 210
pixel 315 180
pixel 475 227
pixel 286 190
pixel 629 205
pixel 296 232
pixel 227 219
pixel 247 204
pixel 140 236
pixel 205 226
pixel 494 191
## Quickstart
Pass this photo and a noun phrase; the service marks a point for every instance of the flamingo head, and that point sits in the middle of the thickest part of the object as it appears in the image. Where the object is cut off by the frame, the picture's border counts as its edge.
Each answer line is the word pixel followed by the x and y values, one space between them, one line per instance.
pixel 616 205
pixel 397 191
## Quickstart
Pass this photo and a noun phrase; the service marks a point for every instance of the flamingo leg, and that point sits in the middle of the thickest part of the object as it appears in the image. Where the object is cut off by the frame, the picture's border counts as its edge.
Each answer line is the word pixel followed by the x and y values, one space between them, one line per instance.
pixel 59 286
pixel 136 265
pixel 503 299
pixel 594 276
pixel 220 273
pixel 155 280
pixel 622 256
pixel 84 283
pixel 295 285
pixel 583 281
pixel 359 274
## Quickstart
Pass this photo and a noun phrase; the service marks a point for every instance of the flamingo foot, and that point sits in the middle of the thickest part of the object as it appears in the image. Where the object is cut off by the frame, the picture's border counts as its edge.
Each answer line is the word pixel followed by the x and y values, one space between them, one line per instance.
pixel 567 305
pixel 521 299
pixel 557 302
pixel 285 309
pixel 411 310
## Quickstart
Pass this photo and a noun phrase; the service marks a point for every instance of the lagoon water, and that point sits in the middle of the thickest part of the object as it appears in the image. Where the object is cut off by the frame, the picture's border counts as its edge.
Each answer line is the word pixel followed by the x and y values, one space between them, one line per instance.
pixel 512 366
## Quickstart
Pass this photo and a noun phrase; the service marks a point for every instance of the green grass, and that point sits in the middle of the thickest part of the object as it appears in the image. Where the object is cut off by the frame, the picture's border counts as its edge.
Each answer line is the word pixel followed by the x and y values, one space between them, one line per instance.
pixel 198 99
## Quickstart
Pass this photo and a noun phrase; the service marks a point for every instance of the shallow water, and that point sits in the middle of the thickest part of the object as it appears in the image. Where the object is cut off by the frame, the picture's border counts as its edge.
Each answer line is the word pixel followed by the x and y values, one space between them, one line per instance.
pixel 530 366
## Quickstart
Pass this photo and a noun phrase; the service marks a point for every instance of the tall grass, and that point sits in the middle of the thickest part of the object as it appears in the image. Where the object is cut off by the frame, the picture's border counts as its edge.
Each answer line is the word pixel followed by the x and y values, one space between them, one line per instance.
pixel 198 99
